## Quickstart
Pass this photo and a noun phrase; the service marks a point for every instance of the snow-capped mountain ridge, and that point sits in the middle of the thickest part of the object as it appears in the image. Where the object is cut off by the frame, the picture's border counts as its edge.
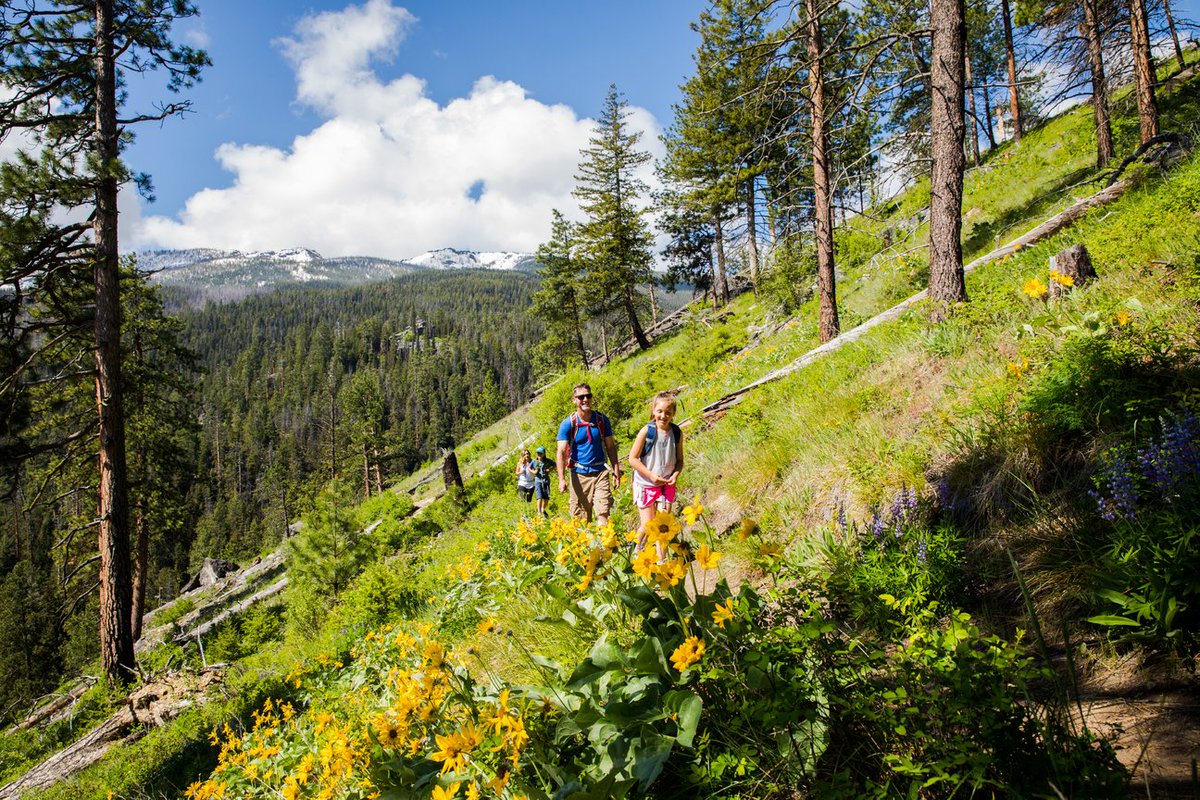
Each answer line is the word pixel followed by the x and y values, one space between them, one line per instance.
pixel 229 274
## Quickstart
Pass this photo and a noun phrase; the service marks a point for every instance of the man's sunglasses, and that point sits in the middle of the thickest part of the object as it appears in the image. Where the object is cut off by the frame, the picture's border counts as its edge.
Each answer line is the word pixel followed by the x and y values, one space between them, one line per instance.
pixel 583 396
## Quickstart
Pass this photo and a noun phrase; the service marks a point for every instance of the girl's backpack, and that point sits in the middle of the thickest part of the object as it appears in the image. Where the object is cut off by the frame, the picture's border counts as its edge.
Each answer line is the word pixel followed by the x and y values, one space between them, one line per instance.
pixel 652 434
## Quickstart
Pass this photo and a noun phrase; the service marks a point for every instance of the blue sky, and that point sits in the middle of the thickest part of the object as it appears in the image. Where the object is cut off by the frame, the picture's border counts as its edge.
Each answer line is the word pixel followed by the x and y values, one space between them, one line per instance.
pixel 280 149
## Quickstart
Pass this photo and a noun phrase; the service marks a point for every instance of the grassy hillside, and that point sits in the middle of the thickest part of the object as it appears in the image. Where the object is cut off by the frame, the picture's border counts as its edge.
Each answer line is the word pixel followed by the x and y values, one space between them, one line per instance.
pixel 881 585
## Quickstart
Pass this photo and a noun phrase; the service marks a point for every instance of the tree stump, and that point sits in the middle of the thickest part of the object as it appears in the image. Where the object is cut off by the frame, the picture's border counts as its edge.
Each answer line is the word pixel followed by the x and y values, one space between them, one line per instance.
pixel 450 472
pixel 1074 263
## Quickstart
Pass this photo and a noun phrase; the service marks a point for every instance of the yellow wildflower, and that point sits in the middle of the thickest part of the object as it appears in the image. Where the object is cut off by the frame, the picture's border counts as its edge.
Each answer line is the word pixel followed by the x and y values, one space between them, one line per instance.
pixel 447 792
pixel 706 558
pixel 1017 370
pixel 1123 317
pixel 748 529
pixel 1061 279
pixel 488 625
pixel 388 730
pixel 1035 288
pixel 692 513
pixel 769 550
pixel 671 573
pixel 645 562
pixel 472 791
pixel 688 653
pixel 662 528
pixel 723 613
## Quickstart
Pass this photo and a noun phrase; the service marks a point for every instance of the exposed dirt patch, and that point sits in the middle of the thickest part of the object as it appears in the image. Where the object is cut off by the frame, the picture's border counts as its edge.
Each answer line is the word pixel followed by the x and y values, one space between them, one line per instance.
pixel 1151 711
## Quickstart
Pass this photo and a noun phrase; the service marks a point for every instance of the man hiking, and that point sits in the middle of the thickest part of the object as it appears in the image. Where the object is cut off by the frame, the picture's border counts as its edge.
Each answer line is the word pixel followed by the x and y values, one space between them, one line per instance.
pixel 585 439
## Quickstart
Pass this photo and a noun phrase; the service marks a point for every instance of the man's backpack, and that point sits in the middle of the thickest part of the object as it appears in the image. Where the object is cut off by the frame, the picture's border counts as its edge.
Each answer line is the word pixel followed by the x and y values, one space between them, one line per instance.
pixel 599 422
pixel 652 434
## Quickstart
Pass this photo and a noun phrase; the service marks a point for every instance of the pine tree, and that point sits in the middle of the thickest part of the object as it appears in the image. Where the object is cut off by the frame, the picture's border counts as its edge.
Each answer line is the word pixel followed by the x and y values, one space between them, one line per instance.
pixel 63 78
pixel 559 302
pixel 946 281
pixel 615 238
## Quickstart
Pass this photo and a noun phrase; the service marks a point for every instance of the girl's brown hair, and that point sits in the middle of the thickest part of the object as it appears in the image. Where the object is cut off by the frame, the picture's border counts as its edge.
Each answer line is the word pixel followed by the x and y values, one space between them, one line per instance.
pixel 669 397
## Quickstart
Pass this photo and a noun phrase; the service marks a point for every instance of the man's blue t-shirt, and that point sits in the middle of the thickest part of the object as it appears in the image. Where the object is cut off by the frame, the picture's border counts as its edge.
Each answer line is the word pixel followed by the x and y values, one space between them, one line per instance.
pixel 587 451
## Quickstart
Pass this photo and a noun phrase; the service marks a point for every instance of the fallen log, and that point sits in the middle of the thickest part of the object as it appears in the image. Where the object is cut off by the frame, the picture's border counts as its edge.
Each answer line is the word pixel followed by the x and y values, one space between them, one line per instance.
pixel 148 707
pixel 200 630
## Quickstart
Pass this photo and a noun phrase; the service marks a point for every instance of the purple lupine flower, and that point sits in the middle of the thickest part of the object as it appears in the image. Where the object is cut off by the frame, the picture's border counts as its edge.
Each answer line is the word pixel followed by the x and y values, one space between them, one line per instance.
pixel 944 498
pixel 841 517
pixel 922 551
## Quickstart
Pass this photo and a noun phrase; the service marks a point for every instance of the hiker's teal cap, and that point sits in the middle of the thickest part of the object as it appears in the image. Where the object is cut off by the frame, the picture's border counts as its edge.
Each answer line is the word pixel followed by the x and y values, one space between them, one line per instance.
pixel 540 449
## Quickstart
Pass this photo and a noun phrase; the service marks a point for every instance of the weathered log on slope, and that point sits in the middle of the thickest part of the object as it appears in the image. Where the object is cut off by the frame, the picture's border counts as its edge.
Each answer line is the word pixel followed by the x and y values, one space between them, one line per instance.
pixel 50 712
pixel 228 589
pixel 148 707
pixel 1042 231
pixel 201 630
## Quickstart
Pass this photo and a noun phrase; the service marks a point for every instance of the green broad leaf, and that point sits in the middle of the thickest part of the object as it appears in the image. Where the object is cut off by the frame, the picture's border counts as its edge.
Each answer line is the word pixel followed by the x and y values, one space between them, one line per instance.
pixel 1114 596
pixel 549 665
pixel 1134 304
pixel 569 617
pixel 649 755
pixel 650 658
pixel 1113 620
pixel 533 576
pixel 554 590
pixel 641 600
pixel 606 655
pixel 687 707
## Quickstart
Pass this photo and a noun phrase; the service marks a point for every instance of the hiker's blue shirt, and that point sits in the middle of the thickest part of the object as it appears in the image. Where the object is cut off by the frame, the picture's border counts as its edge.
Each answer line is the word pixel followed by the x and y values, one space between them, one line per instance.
pixel 587 451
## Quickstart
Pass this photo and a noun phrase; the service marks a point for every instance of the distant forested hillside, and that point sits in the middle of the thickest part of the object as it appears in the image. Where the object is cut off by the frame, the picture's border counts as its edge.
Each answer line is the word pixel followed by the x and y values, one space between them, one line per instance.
pixel 361 383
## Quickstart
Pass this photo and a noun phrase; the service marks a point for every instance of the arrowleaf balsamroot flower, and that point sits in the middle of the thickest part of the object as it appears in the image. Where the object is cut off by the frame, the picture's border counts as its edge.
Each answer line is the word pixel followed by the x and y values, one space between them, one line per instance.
pixel 1035 288
pixel 1061 279
pixel 723 613
pixel 692 513
pixel 706 558
pixel 688 653
pixel 663 528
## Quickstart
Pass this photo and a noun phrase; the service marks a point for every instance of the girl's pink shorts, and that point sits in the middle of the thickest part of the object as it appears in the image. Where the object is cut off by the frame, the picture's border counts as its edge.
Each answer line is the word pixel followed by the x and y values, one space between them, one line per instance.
pixel 651 494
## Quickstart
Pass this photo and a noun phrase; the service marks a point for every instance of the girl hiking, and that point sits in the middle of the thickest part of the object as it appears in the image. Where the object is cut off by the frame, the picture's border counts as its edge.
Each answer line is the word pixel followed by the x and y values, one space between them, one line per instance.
pixel 525 476
pixel 543 468
pixel 656 460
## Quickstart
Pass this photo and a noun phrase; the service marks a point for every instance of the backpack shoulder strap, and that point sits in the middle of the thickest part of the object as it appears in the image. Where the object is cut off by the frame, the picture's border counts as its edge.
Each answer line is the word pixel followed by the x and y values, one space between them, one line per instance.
pixel 651 435
pixel 676 433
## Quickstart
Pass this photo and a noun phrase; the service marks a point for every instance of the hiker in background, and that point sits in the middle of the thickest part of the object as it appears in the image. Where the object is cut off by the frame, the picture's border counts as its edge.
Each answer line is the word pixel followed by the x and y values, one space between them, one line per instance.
pixel 542 468
pixel 525 476
pixel 656 459
pixel 585 439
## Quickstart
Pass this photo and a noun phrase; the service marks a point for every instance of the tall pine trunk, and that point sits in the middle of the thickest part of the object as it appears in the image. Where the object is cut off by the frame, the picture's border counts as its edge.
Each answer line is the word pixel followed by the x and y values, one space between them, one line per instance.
pixel 974 138
pixel 635 325
pixel 366 453
pixel 579 345
pixel 721 286
pixel 1143 69
pixel 822 185
pixel 946 281
pixel 752 233
pixel 116 631
pixel 1010 55
pixel 1174 35
pixel 1090 28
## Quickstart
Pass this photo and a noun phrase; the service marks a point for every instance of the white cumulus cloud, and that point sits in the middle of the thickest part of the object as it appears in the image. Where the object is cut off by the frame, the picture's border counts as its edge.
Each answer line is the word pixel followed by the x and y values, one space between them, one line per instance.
pixel 390 172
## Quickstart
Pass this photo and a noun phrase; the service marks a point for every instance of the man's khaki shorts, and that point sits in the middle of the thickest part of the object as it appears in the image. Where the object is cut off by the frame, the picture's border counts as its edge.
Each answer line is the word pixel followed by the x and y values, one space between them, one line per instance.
pixel 591 494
